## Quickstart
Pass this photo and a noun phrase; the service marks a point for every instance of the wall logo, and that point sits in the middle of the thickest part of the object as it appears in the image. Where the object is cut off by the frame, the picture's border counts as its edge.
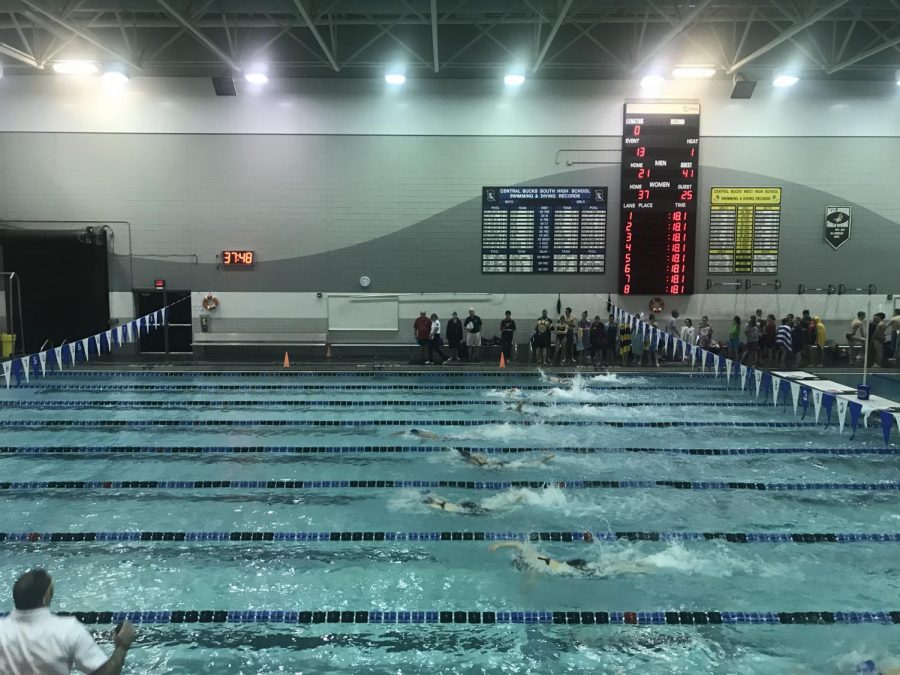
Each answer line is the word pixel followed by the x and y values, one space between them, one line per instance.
pixel 837 225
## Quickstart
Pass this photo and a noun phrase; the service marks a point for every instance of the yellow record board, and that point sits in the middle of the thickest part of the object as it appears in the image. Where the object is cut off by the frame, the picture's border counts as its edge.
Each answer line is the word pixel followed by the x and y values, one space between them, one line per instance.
pixel 744 229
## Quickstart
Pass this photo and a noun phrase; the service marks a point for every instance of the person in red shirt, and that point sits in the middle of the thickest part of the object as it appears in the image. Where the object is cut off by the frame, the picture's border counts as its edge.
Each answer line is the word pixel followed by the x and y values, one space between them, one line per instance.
pixel 422 329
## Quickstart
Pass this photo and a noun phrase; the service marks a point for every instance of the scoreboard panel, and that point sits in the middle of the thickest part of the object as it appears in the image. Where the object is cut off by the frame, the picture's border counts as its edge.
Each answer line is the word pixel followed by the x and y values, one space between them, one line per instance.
pixel 744 230
pixel 543 229
pixel 660 160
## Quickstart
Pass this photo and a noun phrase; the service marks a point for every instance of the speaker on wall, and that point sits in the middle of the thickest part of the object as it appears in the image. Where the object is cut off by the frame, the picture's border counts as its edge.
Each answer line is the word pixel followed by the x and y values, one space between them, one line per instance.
pixel 224 86
pixel 742 88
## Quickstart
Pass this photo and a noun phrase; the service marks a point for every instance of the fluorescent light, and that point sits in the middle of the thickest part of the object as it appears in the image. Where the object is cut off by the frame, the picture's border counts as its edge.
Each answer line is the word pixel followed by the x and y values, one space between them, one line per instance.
pixel 115 77
pixel 897 75
pixel 785 80
pixel 256 78
pixel 514 80
pixel 685 72
pixel 395 78
pixel 652 80
pixel 75 67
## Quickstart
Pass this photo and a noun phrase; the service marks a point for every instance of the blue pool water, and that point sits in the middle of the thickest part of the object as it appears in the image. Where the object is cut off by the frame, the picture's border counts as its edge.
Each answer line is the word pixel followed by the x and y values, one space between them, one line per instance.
pixel 701 546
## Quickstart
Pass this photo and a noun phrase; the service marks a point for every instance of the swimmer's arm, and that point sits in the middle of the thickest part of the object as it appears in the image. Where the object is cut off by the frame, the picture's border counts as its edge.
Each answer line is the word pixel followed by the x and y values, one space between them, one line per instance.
pixel 507 544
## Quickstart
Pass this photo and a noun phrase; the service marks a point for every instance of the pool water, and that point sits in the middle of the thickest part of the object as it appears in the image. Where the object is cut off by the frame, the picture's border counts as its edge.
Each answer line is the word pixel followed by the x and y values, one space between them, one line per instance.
pixel 654 547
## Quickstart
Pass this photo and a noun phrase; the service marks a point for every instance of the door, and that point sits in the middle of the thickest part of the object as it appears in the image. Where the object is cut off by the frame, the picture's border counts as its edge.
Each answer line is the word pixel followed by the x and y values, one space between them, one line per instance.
pixel 177 335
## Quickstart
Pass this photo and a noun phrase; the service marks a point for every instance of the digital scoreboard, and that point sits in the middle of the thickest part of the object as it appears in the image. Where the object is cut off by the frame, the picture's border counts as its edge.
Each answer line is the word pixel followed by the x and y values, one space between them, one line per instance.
pixel 660 160
pixel 543 229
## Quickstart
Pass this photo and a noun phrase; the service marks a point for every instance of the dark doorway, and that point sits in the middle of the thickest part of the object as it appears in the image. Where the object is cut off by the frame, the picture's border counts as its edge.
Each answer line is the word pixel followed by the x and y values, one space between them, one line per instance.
pixel 65 284
pixel 177 336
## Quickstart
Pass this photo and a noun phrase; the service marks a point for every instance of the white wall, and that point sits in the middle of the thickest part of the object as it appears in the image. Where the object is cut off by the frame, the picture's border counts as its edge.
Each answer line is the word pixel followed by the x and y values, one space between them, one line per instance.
pixel 443 107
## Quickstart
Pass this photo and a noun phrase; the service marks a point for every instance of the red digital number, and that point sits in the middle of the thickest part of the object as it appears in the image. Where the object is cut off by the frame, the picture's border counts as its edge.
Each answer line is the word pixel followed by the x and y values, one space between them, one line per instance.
pixel 687 195
pixel 643 173
pixel 687 173
pixel 248 258
pixel 626 289
pixel 636 131
pixel 641 151
pixel 643 195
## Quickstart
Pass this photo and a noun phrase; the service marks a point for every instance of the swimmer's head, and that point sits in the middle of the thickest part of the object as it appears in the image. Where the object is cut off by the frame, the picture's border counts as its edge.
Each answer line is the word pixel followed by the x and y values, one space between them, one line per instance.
pixel 577 563
pixel 464 453
pixel 588 536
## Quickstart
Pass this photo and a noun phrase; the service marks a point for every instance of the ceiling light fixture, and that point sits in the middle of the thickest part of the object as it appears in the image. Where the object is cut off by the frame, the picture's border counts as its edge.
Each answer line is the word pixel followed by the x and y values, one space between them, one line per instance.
pixel 897 75
pixel 75 67
pixel 785 80
pixel 256 78
pixel 688 72
pixel 395 78
pixel 514 80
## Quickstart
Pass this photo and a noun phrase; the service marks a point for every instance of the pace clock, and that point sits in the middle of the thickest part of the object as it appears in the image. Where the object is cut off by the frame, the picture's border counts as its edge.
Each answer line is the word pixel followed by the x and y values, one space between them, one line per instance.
pixel 234 258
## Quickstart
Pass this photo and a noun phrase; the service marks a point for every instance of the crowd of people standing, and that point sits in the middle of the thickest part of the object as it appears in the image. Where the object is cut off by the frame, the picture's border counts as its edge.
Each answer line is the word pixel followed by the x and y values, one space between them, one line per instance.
pixel 761 340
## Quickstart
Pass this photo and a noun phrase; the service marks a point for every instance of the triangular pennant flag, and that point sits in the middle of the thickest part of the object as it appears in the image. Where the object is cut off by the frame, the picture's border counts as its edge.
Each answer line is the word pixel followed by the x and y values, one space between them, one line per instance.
pixel 757 381
pixel 59 357
pixel 42 357
pixel 828 404
pixel 776 388
pixel 135 329
pixel 109 340
pixel 123 334
pixel 795 394
pixel 97 344
pixel 608 303
pixel 145 322
pixel 34 363
pixel 694 357
pixel 73 348
pixel 887 423
pixel 855 410
pixel 720 364
pixel 804 400
pixel 86 346
pixel 817 403
pixel 743 377
pixel 7 370
pixel 24 363
pixel 842 413
pixel 164 313
pixel 728 366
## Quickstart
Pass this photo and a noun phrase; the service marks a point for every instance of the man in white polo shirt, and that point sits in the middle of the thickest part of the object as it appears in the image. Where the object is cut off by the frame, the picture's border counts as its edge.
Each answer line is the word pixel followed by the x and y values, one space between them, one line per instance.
pixel 35 642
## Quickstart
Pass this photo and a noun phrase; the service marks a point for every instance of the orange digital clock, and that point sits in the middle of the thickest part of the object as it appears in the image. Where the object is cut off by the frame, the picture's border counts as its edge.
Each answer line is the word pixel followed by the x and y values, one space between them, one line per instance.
pixel 238 258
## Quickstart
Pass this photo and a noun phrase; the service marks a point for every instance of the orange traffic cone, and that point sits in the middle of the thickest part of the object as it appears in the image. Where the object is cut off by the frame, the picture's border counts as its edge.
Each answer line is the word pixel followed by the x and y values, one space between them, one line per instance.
pixel 287 361
pixel 502 360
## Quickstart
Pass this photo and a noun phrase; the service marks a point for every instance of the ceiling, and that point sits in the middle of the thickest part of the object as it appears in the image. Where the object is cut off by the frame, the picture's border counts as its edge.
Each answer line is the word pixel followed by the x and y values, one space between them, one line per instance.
pixel 562 39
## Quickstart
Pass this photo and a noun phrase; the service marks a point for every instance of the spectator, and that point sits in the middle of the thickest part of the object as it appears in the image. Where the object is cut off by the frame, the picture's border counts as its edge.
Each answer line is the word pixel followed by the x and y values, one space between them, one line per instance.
pixel 704 333
pixel 782 343
pixel 770 331
pixel 734 339
pixel 638 340
pixel 878 334
pixel 35 642
pixel 672 329
pixel 856 338
pixel 612 333
pixel 583 338
pixel 472 327
pixel 507 335
pixel 436 342
pixel 624 341
pixel 543 327
pixel 572 324
pixel 895 339
pixel 809 333
pixel 562 332
pixel 653 343
pixel 422 330
pixel 751 351
pixel 821 339
pixel 798 341
pixel 454 336
pixel 687 336
pixel 597 340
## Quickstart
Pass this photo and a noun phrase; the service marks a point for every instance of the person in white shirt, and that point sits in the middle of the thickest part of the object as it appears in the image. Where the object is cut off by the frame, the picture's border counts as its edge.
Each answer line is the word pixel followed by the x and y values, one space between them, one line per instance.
pixel 687 335
pixel 436 343
pixel 35 642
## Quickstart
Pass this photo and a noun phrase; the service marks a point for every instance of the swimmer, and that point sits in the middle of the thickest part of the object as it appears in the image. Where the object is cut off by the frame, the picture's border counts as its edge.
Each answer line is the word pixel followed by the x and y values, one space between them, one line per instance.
pixel 465 508
pixel 533 560
pixel 518 407
pixel 479 459
pixel 427 435
pixel 512 392
pixel 871 668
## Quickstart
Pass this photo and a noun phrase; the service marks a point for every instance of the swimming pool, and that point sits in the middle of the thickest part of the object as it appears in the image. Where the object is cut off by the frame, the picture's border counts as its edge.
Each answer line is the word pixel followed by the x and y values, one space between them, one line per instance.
pixel 269 523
